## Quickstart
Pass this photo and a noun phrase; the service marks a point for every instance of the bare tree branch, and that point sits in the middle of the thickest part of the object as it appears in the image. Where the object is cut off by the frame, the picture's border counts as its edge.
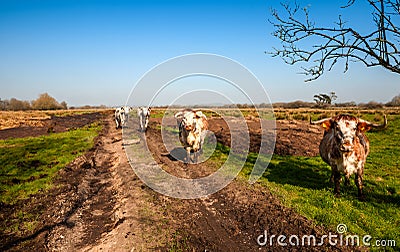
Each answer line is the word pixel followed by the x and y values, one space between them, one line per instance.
pixel 321 48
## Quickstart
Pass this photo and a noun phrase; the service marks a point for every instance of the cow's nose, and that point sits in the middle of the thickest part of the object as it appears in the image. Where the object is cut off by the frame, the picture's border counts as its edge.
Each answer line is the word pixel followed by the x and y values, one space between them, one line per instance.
pixel 346 146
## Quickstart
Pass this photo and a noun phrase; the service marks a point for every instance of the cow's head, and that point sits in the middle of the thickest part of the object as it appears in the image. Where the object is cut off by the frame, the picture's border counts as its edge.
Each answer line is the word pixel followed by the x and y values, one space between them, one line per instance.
pixel 126 109
pixel 345 129
pixel 147 112
pixel 188 118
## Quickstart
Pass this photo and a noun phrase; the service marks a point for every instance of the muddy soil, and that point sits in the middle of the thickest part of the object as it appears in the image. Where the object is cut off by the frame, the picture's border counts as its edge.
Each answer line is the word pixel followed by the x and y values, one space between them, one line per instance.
pixel 101 205
pixel 55 124
pixel 293 138
pixel 231 219
pixel 79 208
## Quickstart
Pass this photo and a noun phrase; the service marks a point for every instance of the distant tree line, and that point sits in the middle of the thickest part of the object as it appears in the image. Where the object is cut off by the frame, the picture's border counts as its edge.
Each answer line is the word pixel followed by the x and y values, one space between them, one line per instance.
pixel 43 102
pixel 90 107
pixel 46 102
pixel 321 101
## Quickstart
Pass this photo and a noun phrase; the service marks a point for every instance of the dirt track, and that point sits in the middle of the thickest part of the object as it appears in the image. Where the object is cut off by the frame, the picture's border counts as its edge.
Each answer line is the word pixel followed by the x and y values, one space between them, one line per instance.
pixel 103 206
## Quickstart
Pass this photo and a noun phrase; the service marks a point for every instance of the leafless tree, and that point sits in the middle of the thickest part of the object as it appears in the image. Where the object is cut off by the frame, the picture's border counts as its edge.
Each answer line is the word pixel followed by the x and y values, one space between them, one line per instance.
pixel 379 47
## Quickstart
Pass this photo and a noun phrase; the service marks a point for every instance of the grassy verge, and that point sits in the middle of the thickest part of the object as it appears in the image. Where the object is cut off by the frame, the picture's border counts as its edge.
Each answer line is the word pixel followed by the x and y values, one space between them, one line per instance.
pixel 30 164
pixel 302 183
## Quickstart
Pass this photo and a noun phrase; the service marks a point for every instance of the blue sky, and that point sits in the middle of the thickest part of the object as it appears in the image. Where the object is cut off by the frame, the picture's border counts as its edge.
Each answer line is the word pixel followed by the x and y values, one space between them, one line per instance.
pixel 93 52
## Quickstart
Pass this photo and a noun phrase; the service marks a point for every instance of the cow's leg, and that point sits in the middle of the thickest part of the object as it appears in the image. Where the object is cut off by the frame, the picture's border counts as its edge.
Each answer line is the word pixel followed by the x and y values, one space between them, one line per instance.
pixel 347 180
pixel 118 123
pixel 337 179
pixel 145 124
pixel 358 182
pixel 142 122
pixel 187 161
pixel 202 138
pixel 332 178
pixel 122 120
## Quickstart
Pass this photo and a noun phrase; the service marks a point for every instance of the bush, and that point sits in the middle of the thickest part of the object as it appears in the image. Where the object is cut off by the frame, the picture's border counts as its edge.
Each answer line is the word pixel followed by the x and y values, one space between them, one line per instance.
pixel 371 105
pixel 346 104
pixel 294 104
pixel 14 104
pixel 46 102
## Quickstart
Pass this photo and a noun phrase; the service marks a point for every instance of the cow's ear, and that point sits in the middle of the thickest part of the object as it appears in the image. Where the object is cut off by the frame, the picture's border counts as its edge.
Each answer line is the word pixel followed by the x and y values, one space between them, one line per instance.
pixel 199 114
pixel 363 126
pixel 179 115
pixel 326 124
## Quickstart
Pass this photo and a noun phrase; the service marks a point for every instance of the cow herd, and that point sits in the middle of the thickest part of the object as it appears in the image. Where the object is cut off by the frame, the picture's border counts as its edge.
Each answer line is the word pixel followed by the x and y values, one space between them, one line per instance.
pixel 192 126
pixel 344 145
pixel 121 116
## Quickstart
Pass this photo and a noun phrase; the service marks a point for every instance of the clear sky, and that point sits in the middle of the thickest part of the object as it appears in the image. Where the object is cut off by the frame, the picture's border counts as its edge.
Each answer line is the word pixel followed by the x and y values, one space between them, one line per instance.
pixel 93 52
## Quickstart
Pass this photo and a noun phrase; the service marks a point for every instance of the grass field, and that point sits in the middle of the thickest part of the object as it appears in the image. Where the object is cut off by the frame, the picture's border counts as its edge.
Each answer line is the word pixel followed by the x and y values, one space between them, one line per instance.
pixel 303 183
pixel 30 165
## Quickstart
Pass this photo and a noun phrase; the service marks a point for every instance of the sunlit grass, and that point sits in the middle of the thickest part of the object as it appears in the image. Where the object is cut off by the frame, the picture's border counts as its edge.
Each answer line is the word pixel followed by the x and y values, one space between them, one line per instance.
pixel 302 183
pixel 30 164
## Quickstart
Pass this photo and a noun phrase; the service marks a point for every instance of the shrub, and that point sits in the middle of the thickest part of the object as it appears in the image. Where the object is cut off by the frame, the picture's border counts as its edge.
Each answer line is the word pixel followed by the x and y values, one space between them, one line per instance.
pixel 45 102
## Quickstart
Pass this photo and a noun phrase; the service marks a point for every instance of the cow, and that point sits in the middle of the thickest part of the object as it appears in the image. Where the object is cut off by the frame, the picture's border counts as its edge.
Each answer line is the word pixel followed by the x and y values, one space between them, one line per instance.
pixel 144 115
pixel 118 117
pixel 193 127
pixel 121 116
pixel 345 148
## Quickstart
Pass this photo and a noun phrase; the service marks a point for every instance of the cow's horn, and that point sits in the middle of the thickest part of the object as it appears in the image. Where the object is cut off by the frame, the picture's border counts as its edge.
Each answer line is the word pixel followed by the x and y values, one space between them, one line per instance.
pixel 319 121
pixel 378 126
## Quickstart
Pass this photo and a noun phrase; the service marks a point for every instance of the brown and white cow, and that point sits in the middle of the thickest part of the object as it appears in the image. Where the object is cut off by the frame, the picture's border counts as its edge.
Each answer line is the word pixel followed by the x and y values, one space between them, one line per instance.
pixel 193 127
pixel 345 147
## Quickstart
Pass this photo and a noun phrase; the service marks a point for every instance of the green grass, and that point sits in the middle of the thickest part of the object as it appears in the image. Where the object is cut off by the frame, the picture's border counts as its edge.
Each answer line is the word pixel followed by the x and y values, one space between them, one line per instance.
pixel 302 183
pixel 29 165
pixel 179 242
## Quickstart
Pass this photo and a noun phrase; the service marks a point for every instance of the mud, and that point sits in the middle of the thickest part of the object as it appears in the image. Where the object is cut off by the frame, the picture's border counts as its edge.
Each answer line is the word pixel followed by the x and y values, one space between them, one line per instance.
pixel 293 138
pixel 55 124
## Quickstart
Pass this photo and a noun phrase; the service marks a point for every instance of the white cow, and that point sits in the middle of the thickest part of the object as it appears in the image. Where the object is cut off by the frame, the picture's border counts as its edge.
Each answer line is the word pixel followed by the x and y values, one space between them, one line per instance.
pixel 144 115
pixel 193 128
pixel 121 116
